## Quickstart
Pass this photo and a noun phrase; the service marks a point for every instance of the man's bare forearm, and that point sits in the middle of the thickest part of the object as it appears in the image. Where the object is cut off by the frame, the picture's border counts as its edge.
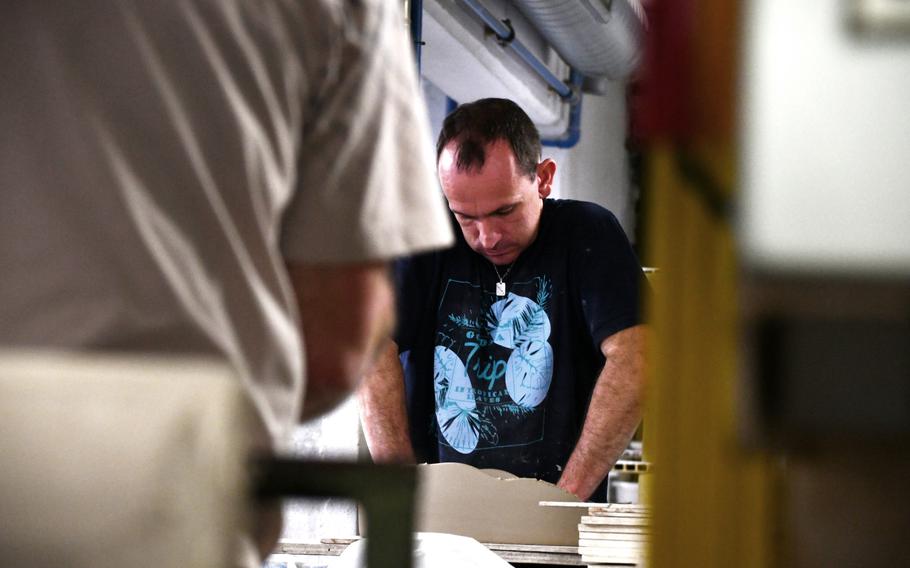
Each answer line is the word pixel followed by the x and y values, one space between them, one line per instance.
pixel 382 410
pixel 346 312
pixel 613 413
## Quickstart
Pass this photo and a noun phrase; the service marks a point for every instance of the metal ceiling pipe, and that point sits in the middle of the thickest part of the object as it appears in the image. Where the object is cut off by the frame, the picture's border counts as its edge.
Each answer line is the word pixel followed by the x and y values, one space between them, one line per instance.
pixel 506 35
pixel 415 17
pixel 598 38
pixel 573 131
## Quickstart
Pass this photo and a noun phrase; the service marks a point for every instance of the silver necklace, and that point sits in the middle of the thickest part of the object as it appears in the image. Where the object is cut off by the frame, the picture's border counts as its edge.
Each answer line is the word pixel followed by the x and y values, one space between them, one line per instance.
pixel 501 285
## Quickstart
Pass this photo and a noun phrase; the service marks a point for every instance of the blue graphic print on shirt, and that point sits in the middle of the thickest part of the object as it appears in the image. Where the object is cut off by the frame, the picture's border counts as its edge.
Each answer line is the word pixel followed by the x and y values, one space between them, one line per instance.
pixel 492 370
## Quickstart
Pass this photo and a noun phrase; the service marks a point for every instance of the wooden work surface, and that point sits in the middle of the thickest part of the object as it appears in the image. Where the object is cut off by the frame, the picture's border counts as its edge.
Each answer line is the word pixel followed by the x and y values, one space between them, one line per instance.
pixel 524 553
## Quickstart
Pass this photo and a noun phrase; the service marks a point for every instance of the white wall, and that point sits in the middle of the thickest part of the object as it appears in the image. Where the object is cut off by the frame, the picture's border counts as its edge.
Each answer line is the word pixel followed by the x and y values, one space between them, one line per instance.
pixel 826 163
pixel 597 168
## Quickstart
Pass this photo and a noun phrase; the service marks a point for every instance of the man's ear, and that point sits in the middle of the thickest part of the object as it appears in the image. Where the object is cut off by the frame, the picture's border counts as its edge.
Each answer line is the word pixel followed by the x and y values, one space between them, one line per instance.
pixel 546 173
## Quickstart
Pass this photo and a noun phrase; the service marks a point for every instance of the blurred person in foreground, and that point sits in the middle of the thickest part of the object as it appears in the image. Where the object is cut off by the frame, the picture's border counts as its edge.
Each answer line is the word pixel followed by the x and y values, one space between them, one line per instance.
pixel 220 178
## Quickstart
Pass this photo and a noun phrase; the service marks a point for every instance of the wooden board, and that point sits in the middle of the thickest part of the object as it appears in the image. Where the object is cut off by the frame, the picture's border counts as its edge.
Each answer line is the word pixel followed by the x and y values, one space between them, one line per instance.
pixel 587 544
pixel 553 549
pixel 614 555
pixel 339 540
pixel 615 529
pixel 597 560
pixel 622 521
pixel 599 507
pixel 610 560
pixel 636 537
pixel 310 548
pixel 522 553
pixel 597 512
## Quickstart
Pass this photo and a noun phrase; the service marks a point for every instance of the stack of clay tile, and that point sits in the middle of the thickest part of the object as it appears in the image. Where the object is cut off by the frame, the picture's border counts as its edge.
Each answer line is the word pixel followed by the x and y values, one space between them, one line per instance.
pixel 614 534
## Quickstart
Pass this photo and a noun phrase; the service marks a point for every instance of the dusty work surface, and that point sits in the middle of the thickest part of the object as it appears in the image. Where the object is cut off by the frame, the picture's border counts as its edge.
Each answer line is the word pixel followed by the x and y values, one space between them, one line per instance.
pixel 523 553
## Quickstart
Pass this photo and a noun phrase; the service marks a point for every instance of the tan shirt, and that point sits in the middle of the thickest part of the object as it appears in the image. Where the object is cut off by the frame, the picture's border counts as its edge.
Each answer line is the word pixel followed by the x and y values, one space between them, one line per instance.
pixel 159 162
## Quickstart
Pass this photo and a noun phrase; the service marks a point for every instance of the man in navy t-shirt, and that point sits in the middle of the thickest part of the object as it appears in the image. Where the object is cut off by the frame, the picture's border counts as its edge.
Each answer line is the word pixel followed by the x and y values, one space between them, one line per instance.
pixel 520 348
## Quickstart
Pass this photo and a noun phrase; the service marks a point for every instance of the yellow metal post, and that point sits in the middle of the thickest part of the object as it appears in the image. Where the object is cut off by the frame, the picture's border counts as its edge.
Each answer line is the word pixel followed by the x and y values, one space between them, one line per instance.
pixel 713 500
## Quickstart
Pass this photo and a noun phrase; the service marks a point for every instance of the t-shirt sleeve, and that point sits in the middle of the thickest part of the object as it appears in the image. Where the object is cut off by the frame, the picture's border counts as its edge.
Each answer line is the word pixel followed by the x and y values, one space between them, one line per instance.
pixel 415 278
pixel 366 187
pixel 609 276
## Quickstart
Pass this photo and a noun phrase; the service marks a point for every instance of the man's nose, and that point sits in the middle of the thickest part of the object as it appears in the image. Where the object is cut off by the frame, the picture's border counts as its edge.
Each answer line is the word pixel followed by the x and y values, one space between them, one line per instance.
pixel 488 234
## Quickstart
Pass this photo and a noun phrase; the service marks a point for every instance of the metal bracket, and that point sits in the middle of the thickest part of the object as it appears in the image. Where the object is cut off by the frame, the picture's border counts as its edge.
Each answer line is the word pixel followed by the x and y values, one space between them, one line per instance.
pixel 505 41
pixel 387 493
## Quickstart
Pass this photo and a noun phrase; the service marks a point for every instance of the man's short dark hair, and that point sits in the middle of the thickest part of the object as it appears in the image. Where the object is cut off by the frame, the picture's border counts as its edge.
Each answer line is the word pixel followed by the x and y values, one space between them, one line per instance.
pixel 475 125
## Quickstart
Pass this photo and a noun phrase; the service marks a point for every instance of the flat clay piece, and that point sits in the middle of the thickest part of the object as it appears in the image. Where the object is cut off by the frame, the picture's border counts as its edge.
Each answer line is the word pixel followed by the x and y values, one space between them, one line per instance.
pixel 459 499
pixel 499 474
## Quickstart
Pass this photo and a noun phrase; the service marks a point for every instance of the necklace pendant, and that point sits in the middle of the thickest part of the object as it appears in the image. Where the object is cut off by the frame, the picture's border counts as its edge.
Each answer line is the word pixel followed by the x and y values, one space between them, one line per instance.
pixel 500 289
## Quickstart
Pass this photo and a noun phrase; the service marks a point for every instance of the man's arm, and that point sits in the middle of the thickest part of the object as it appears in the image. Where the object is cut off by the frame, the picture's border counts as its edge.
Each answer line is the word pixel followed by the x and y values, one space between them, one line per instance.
pixel 613 413
pixel 346 310
pixel 383 412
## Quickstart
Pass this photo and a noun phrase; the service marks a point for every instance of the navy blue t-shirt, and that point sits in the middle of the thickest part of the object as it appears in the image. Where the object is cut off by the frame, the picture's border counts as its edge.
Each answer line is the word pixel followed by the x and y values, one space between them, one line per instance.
pixel 504 382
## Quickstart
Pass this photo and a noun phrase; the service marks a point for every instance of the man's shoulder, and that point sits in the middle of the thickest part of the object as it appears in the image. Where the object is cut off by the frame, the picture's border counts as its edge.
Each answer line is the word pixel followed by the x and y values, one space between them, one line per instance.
pixel 433 259
pixel 580 216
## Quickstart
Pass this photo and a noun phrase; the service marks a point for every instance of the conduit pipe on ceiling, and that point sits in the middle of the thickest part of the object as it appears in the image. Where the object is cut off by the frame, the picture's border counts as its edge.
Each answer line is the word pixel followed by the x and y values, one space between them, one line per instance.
pixel 415 17
pixel 506 35
pixel 598 38
pixel 573 131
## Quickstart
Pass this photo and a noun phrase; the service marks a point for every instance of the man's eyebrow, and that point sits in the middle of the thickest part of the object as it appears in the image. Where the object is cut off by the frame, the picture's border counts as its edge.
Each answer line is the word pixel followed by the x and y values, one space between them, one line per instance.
pixel 499 211
pixel 460 214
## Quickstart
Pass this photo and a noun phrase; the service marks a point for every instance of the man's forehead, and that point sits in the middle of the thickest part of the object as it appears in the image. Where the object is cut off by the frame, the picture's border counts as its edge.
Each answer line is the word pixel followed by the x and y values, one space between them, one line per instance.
pixel 490 205
pixel 481 204
pixel 446 157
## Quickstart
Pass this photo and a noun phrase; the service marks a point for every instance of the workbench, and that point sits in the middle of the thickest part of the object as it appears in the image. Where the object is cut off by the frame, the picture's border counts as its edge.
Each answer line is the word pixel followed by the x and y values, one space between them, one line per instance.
pixel 523 553
pixel 610 535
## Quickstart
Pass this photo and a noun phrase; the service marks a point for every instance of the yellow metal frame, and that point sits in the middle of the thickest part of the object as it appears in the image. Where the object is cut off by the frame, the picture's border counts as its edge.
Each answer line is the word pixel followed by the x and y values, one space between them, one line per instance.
pixel 714 501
